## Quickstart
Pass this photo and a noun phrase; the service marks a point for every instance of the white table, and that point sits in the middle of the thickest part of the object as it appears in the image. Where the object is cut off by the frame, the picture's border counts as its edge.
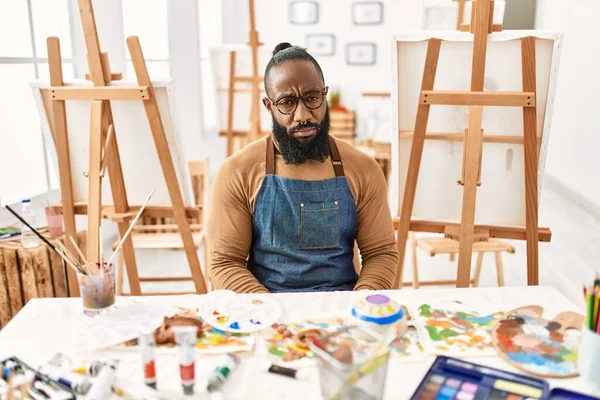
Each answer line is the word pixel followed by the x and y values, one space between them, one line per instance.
pixel 25 336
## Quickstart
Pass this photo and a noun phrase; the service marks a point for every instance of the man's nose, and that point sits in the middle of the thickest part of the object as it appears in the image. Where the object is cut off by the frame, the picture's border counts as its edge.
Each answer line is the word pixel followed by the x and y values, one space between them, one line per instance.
pixel 302 113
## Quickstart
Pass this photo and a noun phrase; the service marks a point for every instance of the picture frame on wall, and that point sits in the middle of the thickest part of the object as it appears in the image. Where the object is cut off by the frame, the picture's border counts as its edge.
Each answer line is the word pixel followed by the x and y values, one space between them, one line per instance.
pixel 303 12
pixel 320 44
pixel 367 13
pixel 361 53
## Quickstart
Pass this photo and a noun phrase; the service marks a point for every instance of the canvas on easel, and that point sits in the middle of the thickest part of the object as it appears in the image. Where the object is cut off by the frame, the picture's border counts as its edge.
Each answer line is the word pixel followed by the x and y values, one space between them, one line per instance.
pixel 130 148
pixel 438 101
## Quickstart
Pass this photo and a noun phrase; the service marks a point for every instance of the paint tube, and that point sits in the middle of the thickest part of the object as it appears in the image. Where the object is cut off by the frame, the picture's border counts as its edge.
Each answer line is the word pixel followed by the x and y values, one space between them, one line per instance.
pixel 186 337
pixel 220 374
pixel 102 385
pixel 147 344
pixel 73 381
pixel 91 369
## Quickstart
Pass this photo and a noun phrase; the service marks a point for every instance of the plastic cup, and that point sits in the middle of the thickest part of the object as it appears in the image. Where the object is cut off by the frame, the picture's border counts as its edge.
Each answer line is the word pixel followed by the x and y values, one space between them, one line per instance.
pixel 361 379
pixel 97 289
pixel 55 223
pixel 589 358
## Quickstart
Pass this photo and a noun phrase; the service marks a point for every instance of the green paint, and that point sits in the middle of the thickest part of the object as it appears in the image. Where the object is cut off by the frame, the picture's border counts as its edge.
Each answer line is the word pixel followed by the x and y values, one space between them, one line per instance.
pixel 425 310
pixel 448 333
pixel 277 352
pixel 570 357
pixel 433 333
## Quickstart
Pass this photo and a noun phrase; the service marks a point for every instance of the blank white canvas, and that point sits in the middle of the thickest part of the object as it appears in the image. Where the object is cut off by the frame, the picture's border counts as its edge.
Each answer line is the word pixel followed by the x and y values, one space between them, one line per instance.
pixel 139 159
pixel 501 197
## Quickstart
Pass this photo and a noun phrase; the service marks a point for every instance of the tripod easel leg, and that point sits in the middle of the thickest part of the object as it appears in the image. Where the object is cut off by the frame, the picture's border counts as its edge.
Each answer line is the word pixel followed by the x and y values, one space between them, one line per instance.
pixel 166 161
pixel 95 181
pixel 467 227
pixel 531 161
pixel 61 142
pixel 416 153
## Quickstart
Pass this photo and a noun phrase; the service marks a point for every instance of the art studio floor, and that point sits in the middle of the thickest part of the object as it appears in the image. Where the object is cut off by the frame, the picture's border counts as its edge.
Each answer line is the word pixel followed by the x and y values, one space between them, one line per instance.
pixel 565 263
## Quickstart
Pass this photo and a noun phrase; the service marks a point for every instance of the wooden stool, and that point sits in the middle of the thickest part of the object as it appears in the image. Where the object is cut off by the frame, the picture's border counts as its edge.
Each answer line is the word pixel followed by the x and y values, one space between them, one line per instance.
pixel 433 246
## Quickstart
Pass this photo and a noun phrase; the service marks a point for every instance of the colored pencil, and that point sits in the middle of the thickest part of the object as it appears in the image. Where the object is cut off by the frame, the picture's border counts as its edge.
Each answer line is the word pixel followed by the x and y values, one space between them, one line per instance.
pixel 589 308
pixel 596 298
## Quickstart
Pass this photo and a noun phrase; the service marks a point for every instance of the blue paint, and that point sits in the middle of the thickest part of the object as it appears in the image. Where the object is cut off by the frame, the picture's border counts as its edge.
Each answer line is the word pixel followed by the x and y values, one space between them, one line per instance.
pixel 380 321
pixel 235 325
pixel 448 392
pixel 480 320
pixel 539 361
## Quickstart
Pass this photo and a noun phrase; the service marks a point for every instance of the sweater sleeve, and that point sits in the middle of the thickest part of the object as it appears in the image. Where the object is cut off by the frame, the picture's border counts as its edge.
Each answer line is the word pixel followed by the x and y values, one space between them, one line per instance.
pixel 229 232
pixel 375 237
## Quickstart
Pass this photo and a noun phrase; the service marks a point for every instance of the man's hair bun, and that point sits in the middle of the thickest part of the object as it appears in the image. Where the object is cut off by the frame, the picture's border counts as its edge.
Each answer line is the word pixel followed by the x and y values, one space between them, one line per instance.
pixel 281 46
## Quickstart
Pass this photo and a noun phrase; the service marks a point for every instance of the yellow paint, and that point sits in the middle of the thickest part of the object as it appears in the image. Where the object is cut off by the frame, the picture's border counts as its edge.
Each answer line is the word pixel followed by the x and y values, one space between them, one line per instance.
pixel 518 388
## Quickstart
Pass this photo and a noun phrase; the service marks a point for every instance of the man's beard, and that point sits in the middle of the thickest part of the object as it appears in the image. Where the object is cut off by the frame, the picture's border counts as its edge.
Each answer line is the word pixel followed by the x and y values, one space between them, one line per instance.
pixel 296 152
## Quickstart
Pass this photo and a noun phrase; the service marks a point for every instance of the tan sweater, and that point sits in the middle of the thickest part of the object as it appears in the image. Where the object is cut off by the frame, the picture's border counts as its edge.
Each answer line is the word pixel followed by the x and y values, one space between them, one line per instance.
pixel 234 191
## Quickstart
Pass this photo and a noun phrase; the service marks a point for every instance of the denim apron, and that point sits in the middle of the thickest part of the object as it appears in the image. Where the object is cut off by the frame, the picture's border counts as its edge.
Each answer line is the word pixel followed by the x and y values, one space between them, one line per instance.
pixel 303 232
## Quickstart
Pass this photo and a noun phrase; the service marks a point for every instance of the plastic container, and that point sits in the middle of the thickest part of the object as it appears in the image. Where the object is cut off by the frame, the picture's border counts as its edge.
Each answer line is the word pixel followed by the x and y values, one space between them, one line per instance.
pixel 589 359
pixel 28 239
pixel 378 312
pixel 353 368
pixel 97 289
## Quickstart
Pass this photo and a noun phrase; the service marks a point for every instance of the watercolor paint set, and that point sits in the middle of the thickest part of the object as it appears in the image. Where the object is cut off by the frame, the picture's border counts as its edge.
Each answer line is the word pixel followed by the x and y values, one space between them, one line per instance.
pixel 453 379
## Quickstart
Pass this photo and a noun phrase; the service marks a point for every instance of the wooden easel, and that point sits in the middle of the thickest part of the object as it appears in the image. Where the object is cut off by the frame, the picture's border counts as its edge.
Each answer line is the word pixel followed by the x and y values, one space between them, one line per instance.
pixel 466 232
pixel 255 80
pixel 104 153
pixel 461 16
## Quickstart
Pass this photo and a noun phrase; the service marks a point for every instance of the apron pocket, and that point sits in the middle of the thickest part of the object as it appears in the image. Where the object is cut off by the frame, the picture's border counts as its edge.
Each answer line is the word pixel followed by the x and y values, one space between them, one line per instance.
pixel 320 225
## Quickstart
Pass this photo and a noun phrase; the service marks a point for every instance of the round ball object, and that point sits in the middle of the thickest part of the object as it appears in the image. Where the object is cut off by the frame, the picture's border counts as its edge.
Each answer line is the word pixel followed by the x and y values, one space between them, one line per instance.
pixel 378 312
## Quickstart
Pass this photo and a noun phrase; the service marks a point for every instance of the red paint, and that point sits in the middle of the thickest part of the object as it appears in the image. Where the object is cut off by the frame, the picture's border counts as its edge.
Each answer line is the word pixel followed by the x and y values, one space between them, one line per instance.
pixel 187 372
pixel 150 371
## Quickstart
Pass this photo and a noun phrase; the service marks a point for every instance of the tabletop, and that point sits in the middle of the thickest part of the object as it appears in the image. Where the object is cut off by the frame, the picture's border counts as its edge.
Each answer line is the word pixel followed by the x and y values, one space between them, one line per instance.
pixel 39 330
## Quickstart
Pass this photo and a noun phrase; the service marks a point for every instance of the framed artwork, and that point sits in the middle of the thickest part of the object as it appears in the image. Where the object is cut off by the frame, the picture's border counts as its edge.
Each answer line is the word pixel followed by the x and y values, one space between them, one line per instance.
pixel 361 54
pixel 320 44
pixel 303 12
pixel 367 13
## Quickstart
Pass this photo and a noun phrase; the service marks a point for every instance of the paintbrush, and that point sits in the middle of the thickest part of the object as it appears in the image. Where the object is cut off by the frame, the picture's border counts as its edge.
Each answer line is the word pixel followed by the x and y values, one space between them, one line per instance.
pixel 130 227
pixel 78 250
pixel 37 233
pixel 69 257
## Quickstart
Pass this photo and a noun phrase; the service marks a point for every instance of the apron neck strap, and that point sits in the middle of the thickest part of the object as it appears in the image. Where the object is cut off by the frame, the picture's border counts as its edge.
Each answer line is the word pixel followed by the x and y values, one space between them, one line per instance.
pixel 336 159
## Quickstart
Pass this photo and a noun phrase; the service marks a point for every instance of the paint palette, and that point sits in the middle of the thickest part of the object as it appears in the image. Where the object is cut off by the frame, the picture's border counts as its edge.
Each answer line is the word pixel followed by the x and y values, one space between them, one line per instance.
pixel 538 346
pixel 450 378
pixel 229 312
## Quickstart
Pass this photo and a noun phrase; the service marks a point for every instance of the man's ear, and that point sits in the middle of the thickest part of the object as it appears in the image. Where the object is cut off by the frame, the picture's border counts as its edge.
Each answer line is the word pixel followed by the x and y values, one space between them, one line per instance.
pixel 267 104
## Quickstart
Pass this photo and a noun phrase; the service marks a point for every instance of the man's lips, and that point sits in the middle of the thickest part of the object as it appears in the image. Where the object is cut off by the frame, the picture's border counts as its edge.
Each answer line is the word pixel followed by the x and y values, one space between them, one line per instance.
pixel 305 132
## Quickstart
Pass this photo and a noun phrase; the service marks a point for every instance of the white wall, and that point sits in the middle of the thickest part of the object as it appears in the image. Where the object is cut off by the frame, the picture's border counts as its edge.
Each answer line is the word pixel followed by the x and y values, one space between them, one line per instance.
pixel 573 158
pixel 335 17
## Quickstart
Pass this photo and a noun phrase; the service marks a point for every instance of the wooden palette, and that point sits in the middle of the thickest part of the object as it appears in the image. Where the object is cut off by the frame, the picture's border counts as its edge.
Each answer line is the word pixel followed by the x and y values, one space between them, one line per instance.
pixel 540 347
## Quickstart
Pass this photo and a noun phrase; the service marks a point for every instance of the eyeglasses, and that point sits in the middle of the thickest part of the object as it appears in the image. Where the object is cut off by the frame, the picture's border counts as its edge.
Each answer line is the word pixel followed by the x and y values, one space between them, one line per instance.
pixel 311 100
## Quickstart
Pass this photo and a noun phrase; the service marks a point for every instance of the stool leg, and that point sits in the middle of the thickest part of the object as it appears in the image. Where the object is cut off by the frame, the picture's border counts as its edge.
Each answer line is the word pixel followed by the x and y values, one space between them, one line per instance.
pixel 499 269
pixel 452 256
pixel 413 244
pixel 478 268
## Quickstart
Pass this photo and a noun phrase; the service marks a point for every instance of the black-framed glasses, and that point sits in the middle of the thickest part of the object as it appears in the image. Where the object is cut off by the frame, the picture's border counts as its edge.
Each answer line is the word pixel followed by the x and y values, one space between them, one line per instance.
pixel 311 100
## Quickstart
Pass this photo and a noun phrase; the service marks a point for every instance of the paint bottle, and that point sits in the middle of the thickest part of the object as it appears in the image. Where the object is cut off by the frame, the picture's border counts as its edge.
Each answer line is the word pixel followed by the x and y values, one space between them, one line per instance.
pixel 147 344
pixel 186 337
pixel 220 374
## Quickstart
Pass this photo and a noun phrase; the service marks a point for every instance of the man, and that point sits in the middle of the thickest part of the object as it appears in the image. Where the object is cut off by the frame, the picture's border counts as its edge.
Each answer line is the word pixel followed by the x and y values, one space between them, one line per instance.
pixel 286 210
